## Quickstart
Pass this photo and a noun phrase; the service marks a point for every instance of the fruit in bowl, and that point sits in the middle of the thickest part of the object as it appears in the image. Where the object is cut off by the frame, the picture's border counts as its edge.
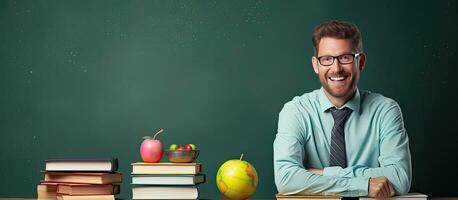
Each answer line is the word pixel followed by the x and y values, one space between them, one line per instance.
pixel 186 147
pixel 182 154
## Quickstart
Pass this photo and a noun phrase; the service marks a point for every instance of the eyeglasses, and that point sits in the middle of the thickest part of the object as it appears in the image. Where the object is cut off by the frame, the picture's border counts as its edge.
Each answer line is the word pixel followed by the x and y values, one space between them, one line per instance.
pixel 343 59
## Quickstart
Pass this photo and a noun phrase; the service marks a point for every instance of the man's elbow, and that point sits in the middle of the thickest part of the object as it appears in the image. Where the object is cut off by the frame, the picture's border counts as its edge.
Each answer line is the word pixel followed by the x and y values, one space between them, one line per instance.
pixel 402 186
pixel 403 189
pixel 284 183
pixel 284 188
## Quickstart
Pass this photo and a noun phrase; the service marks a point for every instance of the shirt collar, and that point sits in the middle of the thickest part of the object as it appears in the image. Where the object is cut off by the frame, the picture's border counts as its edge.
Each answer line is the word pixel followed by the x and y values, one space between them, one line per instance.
pixel 353 104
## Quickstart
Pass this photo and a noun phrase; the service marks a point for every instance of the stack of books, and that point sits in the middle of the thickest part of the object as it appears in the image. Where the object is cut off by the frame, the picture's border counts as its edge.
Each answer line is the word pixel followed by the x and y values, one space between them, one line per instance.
pixel 166 180
pixel 78 179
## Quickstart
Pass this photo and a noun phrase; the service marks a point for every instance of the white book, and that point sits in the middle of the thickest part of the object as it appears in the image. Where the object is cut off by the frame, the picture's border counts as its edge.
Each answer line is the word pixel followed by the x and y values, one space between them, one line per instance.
pixel 165 192
pixel 166 168
pixel 306 197
pixel 410 196
pixel 96 165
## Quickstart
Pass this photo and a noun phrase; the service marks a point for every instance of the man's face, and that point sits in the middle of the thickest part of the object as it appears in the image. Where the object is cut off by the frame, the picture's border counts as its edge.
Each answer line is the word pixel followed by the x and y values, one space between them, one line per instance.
pixel 338 80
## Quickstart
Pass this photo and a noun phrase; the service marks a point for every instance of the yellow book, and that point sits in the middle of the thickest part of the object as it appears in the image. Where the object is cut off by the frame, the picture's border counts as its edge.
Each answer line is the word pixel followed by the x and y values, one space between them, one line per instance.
pixel 166 168
pixel 46 192
pixel 305 197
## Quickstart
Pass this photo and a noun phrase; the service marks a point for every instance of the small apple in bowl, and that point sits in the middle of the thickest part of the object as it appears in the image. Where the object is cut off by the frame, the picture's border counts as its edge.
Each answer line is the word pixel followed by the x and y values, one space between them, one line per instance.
pixel 182 154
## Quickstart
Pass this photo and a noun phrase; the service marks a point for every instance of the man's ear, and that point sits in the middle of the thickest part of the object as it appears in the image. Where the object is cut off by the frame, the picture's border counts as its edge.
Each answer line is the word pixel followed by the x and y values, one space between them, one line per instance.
pixel 315 64
pixel 362 61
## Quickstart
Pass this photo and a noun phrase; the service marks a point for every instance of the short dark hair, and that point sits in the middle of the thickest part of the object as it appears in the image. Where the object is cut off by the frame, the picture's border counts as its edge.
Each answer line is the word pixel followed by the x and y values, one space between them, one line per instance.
pixel 338 30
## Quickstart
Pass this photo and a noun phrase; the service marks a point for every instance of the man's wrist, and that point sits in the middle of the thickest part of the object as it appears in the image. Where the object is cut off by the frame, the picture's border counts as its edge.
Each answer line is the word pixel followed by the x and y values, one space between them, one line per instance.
pixel 316 171
pixel 331 171
pixel 360 186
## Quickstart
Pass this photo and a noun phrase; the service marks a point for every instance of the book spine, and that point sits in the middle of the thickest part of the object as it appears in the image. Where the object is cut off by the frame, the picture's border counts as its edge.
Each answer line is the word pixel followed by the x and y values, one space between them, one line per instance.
pixel 116 189
pixel 114 165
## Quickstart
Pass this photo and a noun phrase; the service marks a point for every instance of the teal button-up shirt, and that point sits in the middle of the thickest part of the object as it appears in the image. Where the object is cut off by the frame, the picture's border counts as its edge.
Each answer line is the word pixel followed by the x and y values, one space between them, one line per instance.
pixel 376 144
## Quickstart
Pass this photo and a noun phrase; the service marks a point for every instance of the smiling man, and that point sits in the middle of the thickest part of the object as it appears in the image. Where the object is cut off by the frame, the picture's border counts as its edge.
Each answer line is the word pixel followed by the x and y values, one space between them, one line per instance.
pixel 339 140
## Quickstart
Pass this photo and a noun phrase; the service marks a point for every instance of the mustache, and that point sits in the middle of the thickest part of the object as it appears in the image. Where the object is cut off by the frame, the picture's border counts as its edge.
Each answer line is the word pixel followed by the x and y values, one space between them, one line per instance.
pixel 338 74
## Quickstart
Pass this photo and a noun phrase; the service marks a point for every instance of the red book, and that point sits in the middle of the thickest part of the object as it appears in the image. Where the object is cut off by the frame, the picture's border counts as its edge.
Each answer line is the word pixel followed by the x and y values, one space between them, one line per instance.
pixel 82 177
pixel 75 189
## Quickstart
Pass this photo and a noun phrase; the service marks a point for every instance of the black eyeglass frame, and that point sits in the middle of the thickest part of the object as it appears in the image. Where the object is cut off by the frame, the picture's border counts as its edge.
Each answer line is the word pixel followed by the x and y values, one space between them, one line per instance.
pixel 354 55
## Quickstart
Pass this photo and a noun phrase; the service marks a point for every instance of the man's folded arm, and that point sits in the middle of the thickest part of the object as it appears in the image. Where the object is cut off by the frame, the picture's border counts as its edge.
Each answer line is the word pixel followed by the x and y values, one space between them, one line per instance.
pixel 290 175
pixel 395 160
pixel 292 178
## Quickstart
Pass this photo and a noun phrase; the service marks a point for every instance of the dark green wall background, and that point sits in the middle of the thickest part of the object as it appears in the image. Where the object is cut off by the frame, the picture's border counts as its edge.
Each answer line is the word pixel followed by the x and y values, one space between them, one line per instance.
pixel 90 78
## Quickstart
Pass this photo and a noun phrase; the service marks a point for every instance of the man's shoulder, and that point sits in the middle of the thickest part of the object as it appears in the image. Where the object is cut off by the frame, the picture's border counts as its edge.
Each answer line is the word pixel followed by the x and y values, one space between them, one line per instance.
pixel 304 102
pixel 304 99
pixel 373 99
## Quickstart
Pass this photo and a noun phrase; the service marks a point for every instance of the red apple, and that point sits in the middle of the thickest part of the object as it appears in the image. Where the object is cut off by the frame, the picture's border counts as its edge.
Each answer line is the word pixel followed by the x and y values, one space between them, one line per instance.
pixel 180 148
pixel 188 147
pixel 151 149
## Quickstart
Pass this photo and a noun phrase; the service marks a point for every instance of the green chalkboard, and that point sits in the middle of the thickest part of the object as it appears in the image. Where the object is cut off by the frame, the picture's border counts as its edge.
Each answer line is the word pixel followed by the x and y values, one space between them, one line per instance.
pixel 90 78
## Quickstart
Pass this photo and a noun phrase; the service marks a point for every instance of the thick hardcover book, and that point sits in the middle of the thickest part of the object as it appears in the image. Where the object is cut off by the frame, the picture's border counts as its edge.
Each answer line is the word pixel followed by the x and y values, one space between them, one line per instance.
pixel 94 165
pixel 305 197
pixel 76 189
pixel 165 192
pixel 410 196
pixel 166 168
pixel 82 177
pixel 168 179
pixel 86 197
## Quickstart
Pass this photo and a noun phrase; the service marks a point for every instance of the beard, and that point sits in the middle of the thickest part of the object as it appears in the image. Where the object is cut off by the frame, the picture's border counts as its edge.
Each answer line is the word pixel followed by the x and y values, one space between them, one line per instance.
pixel 337 89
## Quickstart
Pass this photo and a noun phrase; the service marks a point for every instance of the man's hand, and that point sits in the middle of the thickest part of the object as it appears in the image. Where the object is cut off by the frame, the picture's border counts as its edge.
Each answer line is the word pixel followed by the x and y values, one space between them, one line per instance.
pixel 380 187
pixel 316 171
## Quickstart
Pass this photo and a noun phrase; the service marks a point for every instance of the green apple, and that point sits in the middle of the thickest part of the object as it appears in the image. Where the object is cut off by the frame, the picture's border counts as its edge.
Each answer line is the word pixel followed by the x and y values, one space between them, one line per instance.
pixel 193 146
pixel 173 147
